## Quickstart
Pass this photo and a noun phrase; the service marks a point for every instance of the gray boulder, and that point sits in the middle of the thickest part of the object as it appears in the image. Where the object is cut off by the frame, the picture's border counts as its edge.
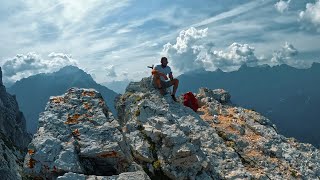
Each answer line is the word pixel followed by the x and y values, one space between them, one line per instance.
pixel 217 94
pixel 77 134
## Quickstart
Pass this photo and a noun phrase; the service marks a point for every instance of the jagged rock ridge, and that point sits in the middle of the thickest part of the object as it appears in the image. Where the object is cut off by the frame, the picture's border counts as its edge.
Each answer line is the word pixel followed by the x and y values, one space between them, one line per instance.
pixel 13 136
pixel 284 94
pixel 221 141
pixel 79 138
pixel 162 138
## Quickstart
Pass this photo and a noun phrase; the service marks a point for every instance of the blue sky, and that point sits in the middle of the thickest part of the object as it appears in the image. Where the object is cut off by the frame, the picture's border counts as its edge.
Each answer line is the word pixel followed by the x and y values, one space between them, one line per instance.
pixel 116 40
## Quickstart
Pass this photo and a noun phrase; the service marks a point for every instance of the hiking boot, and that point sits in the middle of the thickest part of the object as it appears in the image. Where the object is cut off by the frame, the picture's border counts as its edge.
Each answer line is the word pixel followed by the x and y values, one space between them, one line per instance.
pixel 174 97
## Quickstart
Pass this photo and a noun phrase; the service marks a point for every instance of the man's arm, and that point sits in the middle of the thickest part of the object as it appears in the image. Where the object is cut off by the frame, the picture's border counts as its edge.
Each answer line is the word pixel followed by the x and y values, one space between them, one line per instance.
pixel 171 76
pixel 155 71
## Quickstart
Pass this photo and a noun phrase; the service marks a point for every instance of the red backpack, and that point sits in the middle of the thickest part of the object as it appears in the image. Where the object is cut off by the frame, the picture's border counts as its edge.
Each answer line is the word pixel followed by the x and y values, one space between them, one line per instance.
pixel 191 101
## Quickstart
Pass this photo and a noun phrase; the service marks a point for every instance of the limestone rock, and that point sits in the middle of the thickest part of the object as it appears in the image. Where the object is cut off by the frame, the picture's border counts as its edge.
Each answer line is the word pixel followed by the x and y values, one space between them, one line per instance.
pixel 264 153
pixel 218 94
pixel 220 141
pixel 13 136
pixel 77 134
pixel 155 137
pixel 180 144
pixel 10 160
pixel 12 121
pixel 139 175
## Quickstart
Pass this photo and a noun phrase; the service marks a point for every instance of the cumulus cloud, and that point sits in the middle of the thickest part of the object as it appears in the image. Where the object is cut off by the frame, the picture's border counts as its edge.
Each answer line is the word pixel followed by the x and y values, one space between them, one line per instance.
pixel 312 14
pixel 235 56
pixel 187 37
pixel 285 55
pixel 282 6
pixel 190 53
pixel 184 52
pixel 22 66
pixel 111 71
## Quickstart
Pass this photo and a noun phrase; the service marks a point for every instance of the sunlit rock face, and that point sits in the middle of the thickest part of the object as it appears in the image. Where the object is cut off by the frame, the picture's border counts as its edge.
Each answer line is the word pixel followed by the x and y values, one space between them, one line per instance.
pixel 157 138
pixel 13 136
pixel 78 134
pixel 220 141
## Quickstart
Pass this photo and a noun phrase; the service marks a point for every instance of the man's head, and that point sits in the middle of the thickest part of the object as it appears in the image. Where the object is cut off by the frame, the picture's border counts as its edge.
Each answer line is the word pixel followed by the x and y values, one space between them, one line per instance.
pixel 164 61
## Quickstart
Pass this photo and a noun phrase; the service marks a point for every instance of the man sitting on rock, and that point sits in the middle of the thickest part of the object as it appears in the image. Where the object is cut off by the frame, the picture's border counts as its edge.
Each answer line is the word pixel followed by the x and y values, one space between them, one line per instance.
pixel 160 78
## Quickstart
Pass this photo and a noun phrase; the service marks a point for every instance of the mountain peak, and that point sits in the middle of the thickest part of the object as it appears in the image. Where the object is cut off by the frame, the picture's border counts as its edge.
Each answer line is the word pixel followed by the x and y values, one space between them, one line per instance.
pixel 46 85
pixel 218 70
pixel 315 65
pixel 69 69
pixel 73 71
pixel 264 66
pixel 243 66
pixel 285 66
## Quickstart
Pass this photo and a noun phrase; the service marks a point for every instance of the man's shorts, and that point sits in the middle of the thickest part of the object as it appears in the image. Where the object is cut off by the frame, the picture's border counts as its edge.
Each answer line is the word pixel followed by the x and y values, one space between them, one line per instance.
pixel 164 84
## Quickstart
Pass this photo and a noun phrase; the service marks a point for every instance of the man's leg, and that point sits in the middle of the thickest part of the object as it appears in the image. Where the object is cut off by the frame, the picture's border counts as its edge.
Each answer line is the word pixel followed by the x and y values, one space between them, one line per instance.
pixel 175 83
pixel 157 81
pixel 158 84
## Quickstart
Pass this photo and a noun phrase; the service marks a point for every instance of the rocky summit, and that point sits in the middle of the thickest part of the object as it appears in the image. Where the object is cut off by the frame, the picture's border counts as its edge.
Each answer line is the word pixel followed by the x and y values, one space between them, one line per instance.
pixel 157 138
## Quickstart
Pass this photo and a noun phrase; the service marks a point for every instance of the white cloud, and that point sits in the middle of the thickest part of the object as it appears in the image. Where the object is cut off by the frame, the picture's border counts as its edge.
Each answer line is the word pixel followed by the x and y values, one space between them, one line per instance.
pixel 285 55
pixel 282 6
pixel 46 26
pixel 244 8
pixel 22 66
pixel 311 14
pixel 236 55
pixel 187 37
pixel 98 31
pixel 111 71
pixel 190 53
pixel 193 52
pixel 56 60
pixel 184 52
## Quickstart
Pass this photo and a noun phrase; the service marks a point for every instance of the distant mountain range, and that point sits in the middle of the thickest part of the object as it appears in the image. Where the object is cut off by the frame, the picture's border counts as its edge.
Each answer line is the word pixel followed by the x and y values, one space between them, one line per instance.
pixel 290 97
pixel 32 93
